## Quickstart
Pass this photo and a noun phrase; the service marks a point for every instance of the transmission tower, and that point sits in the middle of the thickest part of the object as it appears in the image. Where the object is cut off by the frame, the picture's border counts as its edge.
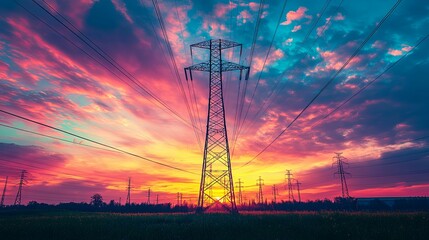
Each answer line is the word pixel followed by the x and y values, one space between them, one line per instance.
pixel 22 181
pixel 148 196
pixel 339 161
pixel 289 185
pixel 260 183
pixel 156 199
pixel 179 199
pixel 128 202
pixel 275 193
pixel 299 190
pixel 4 193
pixel 240 195
pixel 216 160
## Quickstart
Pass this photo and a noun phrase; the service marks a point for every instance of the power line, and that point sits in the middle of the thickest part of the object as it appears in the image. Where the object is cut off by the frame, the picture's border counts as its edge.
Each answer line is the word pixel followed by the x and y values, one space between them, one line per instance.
pixel 273 94
pixel 101 53
pixel 372 81
pixel 329 82
pixel 242 94
pixel 260 73
pixel 96 142
pixel 56 138
pixel 176 71
pixel 325 6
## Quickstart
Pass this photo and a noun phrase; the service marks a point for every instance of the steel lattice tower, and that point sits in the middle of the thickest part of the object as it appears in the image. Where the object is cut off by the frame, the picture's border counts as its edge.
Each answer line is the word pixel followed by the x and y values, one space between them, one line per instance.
pixel 299 190
pixel 128 202
pixel 339 161
pixel 274 194
pixel 260 183
pixel 289 185
pixel 240 195
pixel 4 193
pixel 19 193
pixel 216 160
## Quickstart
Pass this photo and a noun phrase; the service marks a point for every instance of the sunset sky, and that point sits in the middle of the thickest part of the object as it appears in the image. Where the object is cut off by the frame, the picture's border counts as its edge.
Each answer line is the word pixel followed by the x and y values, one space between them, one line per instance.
pixel 49 74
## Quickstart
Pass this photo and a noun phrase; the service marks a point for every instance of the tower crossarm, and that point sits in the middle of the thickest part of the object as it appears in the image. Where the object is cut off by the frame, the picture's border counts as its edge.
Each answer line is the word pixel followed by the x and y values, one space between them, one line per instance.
pixel 226 66
pixel 224 44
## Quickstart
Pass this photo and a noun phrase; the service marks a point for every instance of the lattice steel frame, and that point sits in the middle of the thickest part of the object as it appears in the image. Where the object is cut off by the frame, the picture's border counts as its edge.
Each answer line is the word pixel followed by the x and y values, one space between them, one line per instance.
pixel 216 169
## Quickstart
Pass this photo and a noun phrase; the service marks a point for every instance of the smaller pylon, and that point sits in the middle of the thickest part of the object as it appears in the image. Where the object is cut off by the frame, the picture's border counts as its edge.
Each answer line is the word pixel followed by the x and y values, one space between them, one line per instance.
pixel 128 202
pixel 240 196
pixel 157 199
pixel 148 196
pixel 299 190
pixel 289 185
pixel 4 193
pixel 22 182
pixel 275 193
pixel 339 161
pixel 260 183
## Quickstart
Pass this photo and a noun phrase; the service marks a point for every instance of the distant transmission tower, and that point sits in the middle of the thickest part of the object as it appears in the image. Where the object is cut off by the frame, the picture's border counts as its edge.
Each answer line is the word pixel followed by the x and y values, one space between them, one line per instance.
pixel 275 193
pixel 4 193
pixel 289 185
pixel 240 195
pixel 339 161
pixel 148 196
pixel 22 181
pixel 128 202
pixel 260 183
pixel 157 199
pixel 216 160
pixel 299 190
pixel 179 199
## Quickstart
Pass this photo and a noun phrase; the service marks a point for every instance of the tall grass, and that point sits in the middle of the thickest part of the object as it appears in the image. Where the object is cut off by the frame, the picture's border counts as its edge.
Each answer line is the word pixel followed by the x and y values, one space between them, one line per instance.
pixel 290 226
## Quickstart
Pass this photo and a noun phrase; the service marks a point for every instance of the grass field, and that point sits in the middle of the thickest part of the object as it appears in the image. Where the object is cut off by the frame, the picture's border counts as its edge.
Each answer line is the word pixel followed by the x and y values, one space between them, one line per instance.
pixel 325 225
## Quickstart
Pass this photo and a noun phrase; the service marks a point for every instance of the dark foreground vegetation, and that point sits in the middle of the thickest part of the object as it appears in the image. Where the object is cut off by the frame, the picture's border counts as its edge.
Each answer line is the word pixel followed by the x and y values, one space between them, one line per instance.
pixel 414 204
pixel 36 224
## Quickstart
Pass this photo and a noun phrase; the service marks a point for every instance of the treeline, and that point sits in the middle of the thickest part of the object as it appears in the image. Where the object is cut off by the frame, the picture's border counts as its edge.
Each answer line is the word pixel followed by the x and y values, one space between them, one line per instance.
pixel 339 204
pixel 343 204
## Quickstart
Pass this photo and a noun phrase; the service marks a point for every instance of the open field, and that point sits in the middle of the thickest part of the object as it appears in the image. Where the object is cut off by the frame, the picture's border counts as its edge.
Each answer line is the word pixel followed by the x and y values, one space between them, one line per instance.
pixel 325 225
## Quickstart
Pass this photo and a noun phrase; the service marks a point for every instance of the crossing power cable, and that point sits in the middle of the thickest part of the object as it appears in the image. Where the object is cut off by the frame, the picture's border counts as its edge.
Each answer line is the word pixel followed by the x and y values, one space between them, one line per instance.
pixel 96 142
pixel 386 16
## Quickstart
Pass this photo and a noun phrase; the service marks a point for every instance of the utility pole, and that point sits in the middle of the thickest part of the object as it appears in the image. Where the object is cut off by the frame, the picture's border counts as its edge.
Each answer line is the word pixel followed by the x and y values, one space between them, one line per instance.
pixel 22 181
pixel 181 199
pixel 178 199
pixel 339 161
pixel 240 196
pixel 274 193
pixel 299 190
pixel 148 196
pixel 260 183
pixel 216 160
pixel 129 192
pixel 4 193
pixel 120 201
pixel 289 185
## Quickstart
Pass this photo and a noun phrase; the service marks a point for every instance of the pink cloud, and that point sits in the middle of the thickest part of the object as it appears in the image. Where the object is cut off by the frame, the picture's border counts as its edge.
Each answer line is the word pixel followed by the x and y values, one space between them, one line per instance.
pixel 122 8
pixel 406 48
pixel 296 15
pixel 288 41
pixel 222 9
pixel 394 52
pixel 378 44
pixel 254 6
pixel 244 16
pixel 296 28
pixel 339 17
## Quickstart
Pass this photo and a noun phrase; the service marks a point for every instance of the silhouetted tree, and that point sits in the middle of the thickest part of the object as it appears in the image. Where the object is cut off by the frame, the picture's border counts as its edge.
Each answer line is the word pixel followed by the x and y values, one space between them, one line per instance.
pixel 97 200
